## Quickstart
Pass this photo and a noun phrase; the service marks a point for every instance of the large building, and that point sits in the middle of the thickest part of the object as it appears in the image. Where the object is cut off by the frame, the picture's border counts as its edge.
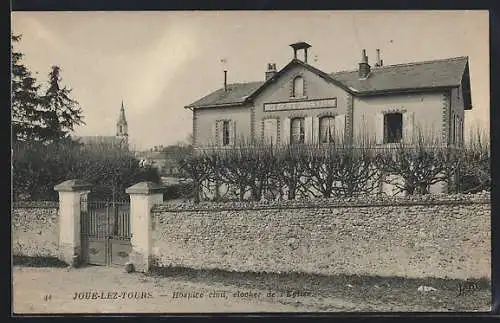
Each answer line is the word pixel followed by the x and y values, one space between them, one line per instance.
pixel 302 104
pixel 120 139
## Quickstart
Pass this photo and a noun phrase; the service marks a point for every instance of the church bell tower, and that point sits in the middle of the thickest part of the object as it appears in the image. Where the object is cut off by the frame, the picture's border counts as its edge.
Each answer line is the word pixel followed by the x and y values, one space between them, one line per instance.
pixel 122 127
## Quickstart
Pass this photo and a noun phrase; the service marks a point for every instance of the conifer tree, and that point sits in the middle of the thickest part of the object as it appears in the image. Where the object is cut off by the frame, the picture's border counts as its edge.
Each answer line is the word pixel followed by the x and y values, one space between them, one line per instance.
pixel 27 114
pixel 62 113
pixel 43 118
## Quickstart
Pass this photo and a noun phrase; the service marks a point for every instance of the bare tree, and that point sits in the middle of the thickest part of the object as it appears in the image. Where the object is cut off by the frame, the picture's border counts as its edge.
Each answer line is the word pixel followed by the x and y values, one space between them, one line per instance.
pixel 199 167
pixel 420 163
pixel 292 160
pixel 476 163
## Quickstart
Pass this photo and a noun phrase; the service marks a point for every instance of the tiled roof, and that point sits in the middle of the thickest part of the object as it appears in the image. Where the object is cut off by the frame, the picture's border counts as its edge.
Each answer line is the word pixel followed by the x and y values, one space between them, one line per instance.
pixel 429 74
pixel 107 140
pixel 411 76
pixel 236 93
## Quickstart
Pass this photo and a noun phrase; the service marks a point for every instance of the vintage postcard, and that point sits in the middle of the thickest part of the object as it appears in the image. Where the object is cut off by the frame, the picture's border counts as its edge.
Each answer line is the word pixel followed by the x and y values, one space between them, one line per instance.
pixel 280 161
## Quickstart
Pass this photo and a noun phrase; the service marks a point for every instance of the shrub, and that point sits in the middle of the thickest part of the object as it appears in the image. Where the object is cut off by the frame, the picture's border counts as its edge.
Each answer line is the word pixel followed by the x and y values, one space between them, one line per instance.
pixel 38 168
pixel 178 191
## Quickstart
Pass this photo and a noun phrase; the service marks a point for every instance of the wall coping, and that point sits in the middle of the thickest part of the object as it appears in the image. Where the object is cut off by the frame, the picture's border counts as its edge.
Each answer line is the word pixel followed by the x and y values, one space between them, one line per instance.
pixel 324 203
pixel 145 188
pixel 35 205
pixel 72 185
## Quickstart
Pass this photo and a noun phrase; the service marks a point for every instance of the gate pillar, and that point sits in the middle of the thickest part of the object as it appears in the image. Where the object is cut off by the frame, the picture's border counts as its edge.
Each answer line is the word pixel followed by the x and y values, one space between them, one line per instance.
pixel 143 196
pixel 71 193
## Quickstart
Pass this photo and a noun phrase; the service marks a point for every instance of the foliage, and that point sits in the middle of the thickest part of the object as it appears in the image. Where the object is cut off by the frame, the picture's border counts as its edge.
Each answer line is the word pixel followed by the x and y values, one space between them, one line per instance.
pixel 62 113
pixel 38 168
pixel 178 191
pixel 40 117
pixel 26 105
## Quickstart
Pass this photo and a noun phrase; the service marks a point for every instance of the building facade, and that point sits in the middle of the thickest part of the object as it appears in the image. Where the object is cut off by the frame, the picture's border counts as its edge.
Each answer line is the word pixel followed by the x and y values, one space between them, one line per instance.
pixel 302 104
pixel 165 161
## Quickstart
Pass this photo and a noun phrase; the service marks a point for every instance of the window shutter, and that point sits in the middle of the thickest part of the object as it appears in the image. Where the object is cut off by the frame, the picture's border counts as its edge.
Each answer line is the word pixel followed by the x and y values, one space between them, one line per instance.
pixel 461 131
pixel 218 132
pixel 215 134
pixel 286 131
pixel 232 133
pixel 379 128
pixel 454 129
pixel 339 122
pixel 308 130
pixel 315 130
pixel 263 129
pixel 271 131
pixel 408 125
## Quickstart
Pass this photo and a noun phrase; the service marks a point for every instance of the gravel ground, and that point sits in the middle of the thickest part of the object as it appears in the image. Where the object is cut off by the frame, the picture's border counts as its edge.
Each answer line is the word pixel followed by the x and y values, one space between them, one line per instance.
pixel 52 290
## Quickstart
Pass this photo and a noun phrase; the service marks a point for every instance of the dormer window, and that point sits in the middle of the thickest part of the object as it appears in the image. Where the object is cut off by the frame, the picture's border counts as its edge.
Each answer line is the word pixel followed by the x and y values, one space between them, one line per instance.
pixel 298 87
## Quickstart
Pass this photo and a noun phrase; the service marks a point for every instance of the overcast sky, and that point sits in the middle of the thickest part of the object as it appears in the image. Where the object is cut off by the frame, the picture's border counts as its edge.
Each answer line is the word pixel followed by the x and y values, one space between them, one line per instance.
pixel 159 62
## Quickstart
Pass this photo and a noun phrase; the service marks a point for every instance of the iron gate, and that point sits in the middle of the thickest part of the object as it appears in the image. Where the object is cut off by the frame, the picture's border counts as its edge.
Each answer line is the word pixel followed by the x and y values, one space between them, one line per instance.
pixel 105 232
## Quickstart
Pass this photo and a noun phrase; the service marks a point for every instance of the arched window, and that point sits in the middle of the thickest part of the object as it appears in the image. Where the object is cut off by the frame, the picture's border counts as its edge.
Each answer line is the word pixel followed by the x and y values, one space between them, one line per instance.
pixel 326 129
pixel 298 87
pixel 297 132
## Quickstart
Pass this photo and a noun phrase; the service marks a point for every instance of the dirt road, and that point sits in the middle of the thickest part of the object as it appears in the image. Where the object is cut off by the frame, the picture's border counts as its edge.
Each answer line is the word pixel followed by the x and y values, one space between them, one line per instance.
pixel 111 290
pixel 52 290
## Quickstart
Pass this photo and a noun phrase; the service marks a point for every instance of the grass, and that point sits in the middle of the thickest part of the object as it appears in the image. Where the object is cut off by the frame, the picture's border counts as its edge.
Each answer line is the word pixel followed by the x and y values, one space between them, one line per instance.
pixel 39 261
pixel 393 293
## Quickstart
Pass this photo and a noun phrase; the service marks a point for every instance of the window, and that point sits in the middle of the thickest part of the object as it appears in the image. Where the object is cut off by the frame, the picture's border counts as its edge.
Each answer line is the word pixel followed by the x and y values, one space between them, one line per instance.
pixel 326 129
pixel 298 87
pixel 297 130
pixel 225 133
pixel 393 127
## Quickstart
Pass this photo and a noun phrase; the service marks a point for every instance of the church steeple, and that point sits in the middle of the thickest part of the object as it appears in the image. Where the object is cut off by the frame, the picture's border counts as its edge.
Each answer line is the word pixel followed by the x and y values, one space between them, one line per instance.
pixel 121 124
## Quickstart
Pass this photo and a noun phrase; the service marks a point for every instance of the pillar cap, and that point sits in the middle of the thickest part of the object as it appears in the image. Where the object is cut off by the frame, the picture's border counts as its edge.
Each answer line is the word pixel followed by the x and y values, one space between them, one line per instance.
pixel 73 185
pixel 146 188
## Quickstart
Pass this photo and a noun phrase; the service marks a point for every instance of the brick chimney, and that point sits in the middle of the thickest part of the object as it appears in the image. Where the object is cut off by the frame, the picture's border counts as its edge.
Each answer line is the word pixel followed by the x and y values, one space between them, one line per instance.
pixel 271 70
pixel 379 62
pixel 364 67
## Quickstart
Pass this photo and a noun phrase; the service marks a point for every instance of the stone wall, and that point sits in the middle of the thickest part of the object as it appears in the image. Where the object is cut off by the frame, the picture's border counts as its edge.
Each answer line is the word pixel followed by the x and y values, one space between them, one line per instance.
pixel 35 229
pixel 445 236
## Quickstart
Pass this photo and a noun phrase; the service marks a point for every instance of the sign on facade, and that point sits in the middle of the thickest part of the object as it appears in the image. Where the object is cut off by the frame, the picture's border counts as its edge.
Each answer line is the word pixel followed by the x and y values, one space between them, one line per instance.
pixel 300 105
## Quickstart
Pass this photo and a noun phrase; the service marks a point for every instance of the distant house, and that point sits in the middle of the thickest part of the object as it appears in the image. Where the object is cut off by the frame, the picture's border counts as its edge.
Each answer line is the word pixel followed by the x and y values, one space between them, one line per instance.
pixel 108 141
pixel 166 165
pixel 120 140
pixel 165 159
